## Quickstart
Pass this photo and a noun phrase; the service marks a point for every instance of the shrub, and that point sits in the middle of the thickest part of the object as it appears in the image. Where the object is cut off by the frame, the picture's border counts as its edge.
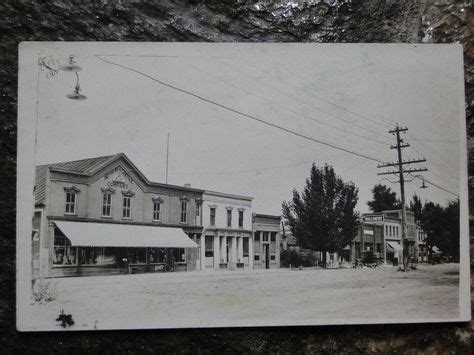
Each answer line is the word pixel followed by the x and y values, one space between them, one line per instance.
pixel 44 291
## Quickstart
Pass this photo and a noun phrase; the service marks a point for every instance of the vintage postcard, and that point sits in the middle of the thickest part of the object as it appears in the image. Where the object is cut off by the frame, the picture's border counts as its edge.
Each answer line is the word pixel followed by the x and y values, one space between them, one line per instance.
pixel 182 185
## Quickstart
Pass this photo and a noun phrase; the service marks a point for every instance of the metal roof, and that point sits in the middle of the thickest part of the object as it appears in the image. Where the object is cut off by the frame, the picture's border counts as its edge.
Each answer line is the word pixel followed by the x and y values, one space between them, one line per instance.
pixel 83 166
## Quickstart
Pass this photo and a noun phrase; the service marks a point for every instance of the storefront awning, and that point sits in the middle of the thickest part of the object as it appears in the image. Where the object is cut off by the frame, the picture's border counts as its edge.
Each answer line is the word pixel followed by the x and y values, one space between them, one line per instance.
pixel 395 246
pixel 87 234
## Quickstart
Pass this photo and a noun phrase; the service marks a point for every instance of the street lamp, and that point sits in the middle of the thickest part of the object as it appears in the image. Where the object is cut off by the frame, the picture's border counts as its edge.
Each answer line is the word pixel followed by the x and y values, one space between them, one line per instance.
pixel 51 66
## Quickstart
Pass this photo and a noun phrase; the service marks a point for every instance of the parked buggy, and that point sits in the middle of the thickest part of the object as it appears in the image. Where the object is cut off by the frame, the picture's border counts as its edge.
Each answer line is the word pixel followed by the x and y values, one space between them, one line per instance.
pixel 369 259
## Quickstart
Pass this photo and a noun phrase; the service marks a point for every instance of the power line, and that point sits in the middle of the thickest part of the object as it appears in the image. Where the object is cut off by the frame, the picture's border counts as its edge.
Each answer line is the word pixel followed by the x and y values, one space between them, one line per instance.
pixel 316 108
pixel 241 113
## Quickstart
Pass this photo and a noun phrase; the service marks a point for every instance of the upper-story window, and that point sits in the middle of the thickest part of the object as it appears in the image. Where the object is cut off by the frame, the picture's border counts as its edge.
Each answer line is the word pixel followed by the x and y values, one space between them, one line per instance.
pixel 212 214
pixel 156 210
pixel 184 211
pixel 229 218
pixel 126 211
pixel 70 202
pixel 241 218
pixel 127 204
pixel 198 208
pixel 107 205
pixel 265 236
pixel 273 236
pixel 107 202
pixel 71 199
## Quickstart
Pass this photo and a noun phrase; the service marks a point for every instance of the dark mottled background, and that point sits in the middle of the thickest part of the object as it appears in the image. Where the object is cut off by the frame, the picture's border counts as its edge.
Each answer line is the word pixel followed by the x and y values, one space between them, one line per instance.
pixel 313 21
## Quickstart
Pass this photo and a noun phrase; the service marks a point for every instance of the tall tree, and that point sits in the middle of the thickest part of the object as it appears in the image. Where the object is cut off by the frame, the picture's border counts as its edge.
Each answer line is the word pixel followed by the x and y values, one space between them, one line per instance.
pixel 416 206
pixel 441 225
pixel 322 217
pixel 383 198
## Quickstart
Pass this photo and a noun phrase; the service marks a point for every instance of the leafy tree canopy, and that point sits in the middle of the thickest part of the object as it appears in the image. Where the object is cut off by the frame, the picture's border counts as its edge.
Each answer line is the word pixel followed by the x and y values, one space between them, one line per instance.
pixel 383 198
pixel 322 216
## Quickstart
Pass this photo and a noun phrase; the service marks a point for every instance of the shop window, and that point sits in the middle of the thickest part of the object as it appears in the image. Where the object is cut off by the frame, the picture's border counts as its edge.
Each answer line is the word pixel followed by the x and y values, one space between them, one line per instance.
pixel 209 246
pixel 273 237
pixel 136 255
pixel 257 236
pixel 63 253
pixel 245 247
pixel 178 255
pixel 156 210
pixel 107 205
pixel 212 213
pixel 241 219
pixel 70 202
pixel 229 218
pixel 90 255
pixel 256 257
pixel 157 255
pixel 184 211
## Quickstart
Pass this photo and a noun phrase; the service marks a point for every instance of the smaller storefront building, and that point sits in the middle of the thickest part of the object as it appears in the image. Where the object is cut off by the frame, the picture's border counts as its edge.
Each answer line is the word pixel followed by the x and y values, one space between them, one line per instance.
pixel 266 241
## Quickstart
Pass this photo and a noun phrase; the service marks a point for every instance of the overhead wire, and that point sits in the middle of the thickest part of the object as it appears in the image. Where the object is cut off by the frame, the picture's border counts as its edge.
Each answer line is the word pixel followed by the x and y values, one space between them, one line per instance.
pixel 243 114
pixel 255 118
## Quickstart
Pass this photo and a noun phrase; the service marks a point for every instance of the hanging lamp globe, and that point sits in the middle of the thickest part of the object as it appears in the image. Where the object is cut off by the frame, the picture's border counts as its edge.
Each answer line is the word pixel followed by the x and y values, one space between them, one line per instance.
pixel 76 94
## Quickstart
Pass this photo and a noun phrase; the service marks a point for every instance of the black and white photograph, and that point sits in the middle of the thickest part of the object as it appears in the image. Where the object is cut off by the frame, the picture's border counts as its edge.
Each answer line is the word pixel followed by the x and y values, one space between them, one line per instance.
pixel 188 185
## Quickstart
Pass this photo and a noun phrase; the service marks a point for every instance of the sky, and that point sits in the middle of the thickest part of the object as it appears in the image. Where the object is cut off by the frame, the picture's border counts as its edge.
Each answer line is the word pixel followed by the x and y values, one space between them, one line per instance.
pixel 349 96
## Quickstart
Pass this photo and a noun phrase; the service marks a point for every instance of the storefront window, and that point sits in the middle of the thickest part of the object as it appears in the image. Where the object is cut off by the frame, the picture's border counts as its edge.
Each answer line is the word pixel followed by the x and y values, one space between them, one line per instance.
pixel 178 255
pixel 63 253
pixel 157 255
pixel 209 246
pixel 89 255
pixel 245 247
pixel 136 255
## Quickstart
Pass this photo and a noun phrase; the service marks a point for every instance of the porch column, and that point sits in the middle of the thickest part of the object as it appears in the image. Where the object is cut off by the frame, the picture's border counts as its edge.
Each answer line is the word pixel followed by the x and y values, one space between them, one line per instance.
pixel 202 260
pixel 223 241
pixel 217 254
pixel 233 251
pixel 251 256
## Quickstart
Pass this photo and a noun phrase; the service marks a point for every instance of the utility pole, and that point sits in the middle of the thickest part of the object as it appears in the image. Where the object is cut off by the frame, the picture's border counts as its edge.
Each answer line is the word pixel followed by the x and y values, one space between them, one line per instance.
pixel 400 172
pixel 167 154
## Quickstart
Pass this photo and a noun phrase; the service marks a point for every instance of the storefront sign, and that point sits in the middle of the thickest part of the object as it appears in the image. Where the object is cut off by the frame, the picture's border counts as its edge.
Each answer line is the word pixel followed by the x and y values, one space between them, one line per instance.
pixel 373 219
pixel 119 178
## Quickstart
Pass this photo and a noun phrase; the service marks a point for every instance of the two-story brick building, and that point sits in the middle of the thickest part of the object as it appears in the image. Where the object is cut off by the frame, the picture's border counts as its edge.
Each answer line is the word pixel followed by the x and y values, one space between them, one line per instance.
pixel 267 241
